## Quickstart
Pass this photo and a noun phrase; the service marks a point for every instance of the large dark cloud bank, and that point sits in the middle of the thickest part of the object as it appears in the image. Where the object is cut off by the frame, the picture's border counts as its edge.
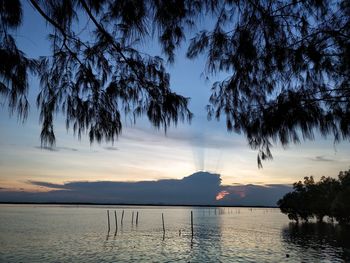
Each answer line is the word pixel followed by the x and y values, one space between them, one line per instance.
pixel 200 188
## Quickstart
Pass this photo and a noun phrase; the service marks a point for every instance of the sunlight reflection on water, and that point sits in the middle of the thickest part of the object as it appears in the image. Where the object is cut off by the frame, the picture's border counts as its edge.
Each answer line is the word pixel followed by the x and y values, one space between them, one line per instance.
pixel 30 233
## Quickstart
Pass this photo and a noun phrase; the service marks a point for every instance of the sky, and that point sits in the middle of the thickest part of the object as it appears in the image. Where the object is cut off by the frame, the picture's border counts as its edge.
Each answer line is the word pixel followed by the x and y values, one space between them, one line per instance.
pixel 143 153
pixel 200 188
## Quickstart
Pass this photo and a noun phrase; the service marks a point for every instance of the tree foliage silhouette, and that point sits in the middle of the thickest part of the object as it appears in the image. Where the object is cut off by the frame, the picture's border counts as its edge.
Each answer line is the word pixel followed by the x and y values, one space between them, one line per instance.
pixel 287 64
pixel 328 197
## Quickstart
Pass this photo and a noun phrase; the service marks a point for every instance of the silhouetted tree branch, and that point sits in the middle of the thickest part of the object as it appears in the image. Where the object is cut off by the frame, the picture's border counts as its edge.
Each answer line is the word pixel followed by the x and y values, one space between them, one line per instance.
pixel 288 70
pixel 92 83
pixel 286 62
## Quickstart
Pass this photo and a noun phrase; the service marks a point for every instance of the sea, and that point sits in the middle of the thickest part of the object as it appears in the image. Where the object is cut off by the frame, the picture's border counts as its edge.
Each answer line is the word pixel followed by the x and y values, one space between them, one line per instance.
pixel 101 233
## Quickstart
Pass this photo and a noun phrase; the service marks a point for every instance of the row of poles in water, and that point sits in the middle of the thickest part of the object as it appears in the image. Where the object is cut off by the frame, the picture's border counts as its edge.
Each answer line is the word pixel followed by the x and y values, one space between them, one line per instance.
pixel 121 220
pixel 137 221
pixel 217 211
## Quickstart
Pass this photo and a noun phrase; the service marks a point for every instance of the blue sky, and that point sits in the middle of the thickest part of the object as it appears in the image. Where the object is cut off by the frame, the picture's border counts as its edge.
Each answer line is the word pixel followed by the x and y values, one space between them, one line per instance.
pixel 143 153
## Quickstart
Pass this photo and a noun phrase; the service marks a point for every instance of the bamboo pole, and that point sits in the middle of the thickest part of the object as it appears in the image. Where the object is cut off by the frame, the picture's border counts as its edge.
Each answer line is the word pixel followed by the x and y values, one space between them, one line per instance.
pixel 121 220
pixel 163 226
pixel 109 227
pixel 192 223
pixel 137 217
pixel 116 219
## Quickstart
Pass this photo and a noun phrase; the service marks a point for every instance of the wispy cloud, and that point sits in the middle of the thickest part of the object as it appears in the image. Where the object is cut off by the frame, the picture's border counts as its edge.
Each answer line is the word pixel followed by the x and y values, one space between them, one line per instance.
pixel 111 148
pixel 196 139
pixel 322 158
pixel 44 148
pixel 56 149
pixel 67 149
pixel 48 185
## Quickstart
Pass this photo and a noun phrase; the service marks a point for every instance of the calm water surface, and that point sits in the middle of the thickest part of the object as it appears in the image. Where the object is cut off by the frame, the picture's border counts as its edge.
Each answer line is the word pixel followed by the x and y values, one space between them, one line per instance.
pixel 30 233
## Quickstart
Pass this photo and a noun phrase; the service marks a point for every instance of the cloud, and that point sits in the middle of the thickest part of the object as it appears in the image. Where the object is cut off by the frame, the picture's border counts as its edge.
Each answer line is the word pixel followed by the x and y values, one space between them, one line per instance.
pixel 201 139
pixel 196 139
pixel 67 149
pixel 56 149
pixel 322 159
pixel 111 148
pixel 260 195
pixel 48 185
pixel 201 188
pixel 221 195
pixel 50 149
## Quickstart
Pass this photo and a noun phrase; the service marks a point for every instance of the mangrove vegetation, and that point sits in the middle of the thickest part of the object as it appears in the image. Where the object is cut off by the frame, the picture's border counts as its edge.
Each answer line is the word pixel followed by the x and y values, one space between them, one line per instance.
pixel 328 198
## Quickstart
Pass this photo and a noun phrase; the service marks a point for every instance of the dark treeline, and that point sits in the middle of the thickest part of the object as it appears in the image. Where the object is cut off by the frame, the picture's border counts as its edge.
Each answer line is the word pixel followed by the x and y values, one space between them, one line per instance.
pixel 328 197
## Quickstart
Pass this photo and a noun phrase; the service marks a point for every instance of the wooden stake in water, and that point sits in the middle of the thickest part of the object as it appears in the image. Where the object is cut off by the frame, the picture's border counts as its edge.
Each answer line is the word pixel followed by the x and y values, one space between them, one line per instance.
pixel 163 226
pixel 132 218
pixel 109 227
pixel 192 223
pixel 137 217
pixel 116 224
pixel 121 220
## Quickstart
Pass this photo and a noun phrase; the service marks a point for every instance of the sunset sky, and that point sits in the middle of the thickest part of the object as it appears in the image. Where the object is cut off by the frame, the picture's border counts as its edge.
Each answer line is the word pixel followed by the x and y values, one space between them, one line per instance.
pixel 143 153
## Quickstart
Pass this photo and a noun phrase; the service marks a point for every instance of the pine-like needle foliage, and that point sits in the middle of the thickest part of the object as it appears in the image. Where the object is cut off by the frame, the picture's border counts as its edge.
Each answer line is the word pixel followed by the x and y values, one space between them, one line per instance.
pixel 14 65
pixel 94 80
pixel 287 64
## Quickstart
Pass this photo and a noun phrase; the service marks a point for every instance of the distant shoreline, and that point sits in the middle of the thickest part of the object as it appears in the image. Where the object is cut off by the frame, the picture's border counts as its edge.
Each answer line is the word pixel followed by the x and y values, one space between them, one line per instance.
pixel 125 204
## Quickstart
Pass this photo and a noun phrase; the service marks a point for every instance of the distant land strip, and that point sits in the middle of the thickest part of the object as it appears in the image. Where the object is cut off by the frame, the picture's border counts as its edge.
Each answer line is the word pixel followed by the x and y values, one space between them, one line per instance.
pixel 125 204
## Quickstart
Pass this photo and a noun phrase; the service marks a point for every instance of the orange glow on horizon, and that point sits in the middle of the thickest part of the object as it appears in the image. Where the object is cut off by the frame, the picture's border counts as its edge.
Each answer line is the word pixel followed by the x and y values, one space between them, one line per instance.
pixel 221 195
